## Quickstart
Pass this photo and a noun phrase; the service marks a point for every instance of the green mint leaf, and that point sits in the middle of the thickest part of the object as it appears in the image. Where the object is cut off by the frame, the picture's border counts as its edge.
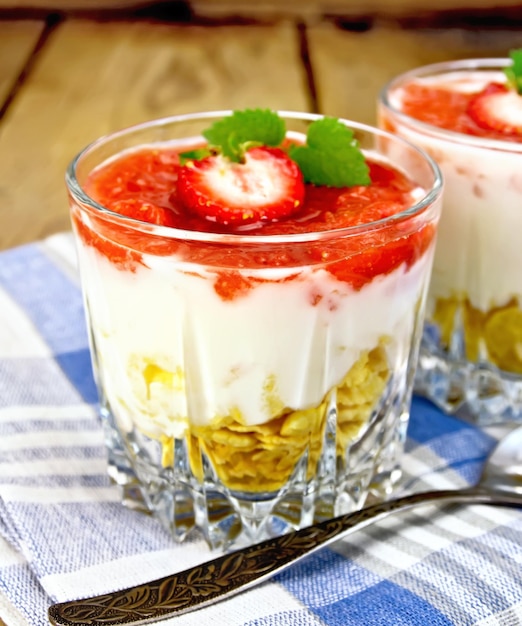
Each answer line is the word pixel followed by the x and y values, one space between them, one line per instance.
pixel 243 129
pixel 331 155
pixel 194 155
pixel 514 71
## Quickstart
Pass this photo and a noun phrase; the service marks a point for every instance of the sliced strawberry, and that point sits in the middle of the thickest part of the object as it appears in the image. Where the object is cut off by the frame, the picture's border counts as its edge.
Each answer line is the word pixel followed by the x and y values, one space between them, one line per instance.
pixel 497 108
pixel 143 211
pixel 267 186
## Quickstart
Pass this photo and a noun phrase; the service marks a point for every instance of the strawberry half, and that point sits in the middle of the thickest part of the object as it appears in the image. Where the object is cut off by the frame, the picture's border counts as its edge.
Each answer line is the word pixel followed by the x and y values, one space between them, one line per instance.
pixel 143 211
pixel 497 108
pixel 267 186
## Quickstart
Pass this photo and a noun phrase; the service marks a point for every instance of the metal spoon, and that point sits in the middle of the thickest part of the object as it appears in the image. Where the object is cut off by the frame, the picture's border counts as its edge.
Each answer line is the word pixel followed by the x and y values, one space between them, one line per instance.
pixel 500 484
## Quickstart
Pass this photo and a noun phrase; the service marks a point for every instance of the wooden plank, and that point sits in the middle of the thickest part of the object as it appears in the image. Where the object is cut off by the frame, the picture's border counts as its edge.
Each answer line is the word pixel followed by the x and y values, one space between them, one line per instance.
pixel 17 41
pixel 351 8
pixel 94 78
pixel 350 68
pixel 295 8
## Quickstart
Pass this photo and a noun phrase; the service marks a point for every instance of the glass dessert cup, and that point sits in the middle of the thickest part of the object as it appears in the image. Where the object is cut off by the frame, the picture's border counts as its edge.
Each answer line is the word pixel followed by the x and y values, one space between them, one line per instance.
pixel 253 384
pixel 470 360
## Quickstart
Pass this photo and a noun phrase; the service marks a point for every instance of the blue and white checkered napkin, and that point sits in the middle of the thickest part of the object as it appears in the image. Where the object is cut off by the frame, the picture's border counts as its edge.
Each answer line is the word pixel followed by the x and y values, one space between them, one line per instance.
pixel 66 535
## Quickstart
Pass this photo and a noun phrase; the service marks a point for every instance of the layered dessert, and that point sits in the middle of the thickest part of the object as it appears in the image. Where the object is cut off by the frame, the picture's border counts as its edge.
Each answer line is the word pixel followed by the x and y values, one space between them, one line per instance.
pixel 468 116
pixel 247 320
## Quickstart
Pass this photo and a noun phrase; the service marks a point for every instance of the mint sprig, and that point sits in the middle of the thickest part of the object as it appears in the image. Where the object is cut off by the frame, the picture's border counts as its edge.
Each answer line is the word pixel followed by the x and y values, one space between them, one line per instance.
pixel 236 133
pixel 331 155
pixel 514 71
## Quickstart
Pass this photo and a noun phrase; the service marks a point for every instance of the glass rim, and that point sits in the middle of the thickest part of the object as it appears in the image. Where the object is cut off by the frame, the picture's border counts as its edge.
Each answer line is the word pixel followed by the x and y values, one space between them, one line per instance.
pixel 418 207
pixel 426 128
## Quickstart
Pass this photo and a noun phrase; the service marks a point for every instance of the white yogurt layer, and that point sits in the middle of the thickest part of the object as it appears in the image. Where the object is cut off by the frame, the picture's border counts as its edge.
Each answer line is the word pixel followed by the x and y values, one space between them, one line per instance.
pixel 478 254
pixel 171 350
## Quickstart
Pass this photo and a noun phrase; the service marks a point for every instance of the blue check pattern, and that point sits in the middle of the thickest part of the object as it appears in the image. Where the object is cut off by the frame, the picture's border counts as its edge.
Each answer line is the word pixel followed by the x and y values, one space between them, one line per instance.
pixel 64 533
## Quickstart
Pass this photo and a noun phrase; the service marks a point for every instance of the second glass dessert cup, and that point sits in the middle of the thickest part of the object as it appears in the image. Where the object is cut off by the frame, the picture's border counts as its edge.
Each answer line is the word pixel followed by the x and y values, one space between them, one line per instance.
pixel 253 384
pixel 470 359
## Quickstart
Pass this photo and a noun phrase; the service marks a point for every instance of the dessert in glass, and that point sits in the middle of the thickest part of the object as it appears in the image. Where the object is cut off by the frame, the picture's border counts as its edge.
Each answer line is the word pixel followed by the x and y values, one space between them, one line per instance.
pixel 468 116
pixel 253 333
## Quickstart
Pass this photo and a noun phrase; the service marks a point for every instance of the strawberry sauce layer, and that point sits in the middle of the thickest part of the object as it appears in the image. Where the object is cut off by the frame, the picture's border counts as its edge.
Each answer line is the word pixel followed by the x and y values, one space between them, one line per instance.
pixel 446 108
pixel 142 185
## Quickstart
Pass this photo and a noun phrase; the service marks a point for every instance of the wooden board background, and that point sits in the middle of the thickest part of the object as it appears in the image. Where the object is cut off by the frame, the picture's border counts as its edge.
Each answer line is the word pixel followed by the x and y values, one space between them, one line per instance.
pixel 293 8
pixel 94 78
pixel 89 78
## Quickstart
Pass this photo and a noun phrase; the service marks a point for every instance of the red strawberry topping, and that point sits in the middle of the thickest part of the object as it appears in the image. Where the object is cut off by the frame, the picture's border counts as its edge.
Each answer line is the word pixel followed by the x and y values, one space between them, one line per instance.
pixel 266 187
pixel 497 108
pixel 143 211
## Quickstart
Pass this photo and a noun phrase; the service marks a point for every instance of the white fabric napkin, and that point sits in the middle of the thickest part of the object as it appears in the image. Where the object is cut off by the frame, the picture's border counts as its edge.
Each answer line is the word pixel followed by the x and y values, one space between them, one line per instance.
pixel 65 534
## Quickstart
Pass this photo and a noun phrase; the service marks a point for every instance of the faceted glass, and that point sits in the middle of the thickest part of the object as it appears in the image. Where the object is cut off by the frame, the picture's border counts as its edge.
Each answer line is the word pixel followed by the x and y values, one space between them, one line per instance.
pixel 252 384
pixel 470 359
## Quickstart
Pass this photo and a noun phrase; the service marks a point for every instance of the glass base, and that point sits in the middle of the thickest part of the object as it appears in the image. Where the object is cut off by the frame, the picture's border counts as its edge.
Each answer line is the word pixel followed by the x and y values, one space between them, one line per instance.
pixel 188 506
pixel 477 392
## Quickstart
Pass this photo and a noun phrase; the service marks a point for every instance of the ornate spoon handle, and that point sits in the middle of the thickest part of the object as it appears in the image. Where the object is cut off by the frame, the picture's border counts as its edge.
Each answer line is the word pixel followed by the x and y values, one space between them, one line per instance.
pixel 234 572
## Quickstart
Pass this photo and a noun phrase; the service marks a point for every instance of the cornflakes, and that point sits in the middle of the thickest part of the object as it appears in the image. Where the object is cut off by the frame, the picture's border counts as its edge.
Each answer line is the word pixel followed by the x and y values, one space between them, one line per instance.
pixel 495 334
pixel 262 459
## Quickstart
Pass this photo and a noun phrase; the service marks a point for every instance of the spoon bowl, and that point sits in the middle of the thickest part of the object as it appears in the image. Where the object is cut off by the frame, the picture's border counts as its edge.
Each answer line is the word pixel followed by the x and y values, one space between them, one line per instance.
pixel 503 470
pixel 500 484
